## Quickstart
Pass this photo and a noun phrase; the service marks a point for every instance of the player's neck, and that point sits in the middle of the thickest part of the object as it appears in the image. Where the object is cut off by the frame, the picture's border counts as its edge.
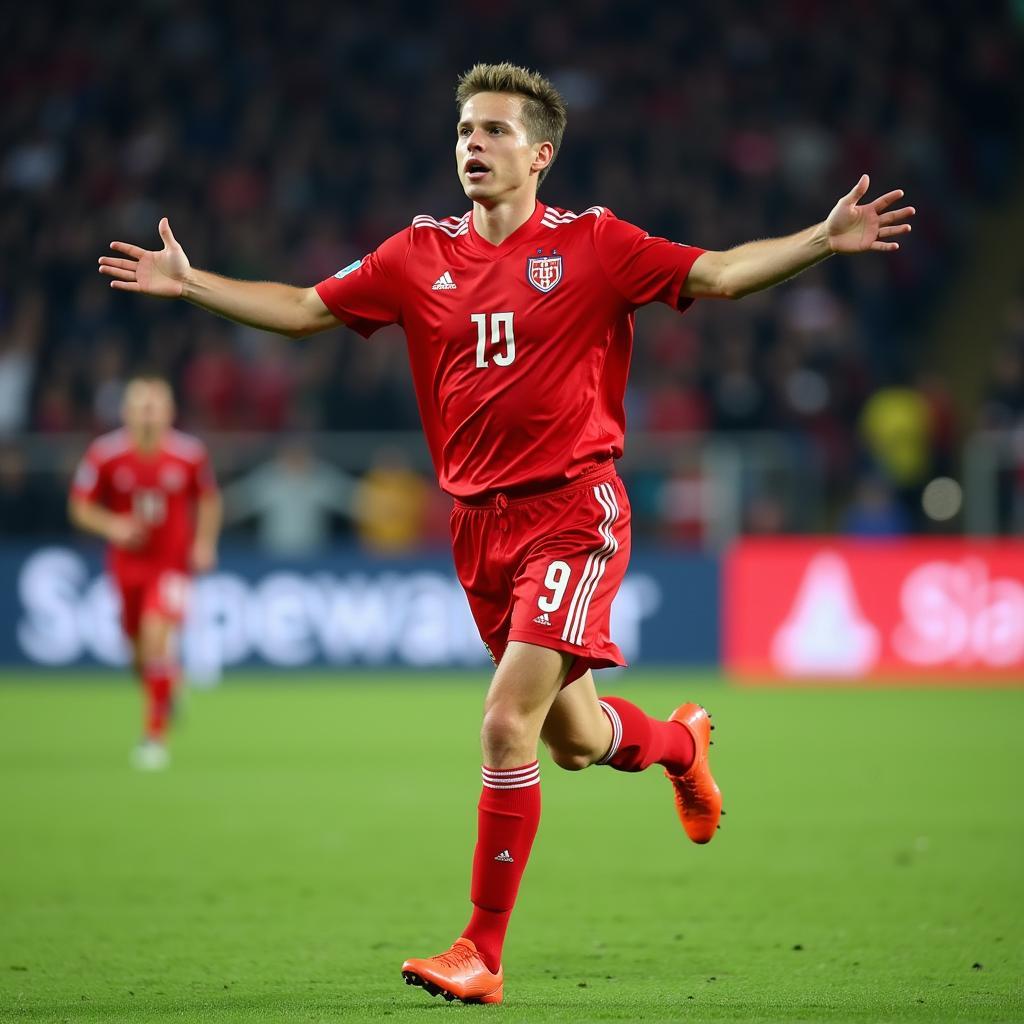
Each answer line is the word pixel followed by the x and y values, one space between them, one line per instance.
pixel 495 223
pixel 146 442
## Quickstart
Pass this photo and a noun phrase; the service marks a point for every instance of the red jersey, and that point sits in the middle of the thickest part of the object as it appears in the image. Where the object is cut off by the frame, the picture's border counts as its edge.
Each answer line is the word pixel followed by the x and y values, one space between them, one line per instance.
pixel 160 490
pixel 519 351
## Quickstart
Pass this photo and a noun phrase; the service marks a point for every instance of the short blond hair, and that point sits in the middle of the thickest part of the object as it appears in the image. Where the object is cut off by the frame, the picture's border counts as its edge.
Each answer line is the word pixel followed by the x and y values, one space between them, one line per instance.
pixel 146 379
pixel 544 113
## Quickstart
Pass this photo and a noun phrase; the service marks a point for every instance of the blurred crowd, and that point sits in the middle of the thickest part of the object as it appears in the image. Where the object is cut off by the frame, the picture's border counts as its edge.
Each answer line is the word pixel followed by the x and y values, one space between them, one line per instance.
pixel 283 141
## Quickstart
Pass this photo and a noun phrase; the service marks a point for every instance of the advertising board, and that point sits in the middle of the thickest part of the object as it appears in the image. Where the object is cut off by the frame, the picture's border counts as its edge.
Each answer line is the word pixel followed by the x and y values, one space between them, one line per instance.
pixel 909 609
pixel 346 609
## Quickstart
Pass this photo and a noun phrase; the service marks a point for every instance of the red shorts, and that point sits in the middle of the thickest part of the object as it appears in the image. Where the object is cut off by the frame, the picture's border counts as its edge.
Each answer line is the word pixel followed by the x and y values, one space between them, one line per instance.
pixel 164 593
pixel 545 569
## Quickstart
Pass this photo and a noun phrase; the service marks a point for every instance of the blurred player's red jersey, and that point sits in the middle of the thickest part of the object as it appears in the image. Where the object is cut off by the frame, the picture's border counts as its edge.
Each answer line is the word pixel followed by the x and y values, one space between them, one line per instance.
pixel 160 490
pixel 519 351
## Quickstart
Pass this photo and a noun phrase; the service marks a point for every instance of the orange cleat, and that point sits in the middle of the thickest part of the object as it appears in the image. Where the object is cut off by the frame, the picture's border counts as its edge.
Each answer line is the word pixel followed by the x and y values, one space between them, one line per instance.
pixel 698 798
pixel 458 974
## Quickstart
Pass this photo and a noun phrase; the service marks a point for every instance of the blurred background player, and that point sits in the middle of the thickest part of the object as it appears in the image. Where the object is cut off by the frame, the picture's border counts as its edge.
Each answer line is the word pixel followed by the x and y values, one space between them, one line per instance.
pixel 519 319
pixel 149 491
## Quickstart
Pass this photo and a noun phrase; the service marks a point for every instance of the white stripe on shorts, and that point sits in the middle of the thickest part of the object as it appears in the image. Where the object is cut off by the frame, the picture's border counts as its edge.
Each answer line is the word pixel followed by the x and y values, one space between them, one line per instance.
pixel 576 620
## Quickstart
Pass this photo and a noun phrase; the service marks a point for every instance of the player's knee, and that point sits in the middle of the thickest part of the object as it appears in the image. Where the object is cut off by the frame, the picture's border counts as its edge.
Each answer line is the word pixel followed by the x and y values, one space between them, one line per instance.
pixel 149 649
pixel 153 638
pixel 504 729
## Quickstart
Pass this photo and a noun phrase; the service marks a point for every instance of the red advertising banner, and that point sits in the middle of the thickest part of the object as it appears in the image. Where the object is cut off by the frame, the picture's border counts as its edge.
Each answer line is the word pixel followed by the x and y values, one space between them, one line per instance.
pixel 912 609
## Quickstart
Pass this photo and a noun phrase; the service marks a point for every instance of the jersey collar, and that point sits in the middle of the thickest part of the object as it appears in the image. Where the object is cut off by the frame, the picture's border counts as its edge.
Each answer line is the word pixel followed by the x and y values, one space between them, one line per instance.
pixel 521 233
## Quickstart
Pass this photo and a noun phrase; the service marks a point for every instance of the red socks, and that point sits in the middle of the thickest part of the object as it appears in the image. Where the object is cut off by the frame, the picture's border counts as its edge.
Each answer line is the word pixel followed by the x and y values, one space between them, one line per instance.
pixel 638 741
pixel 158 677
pixel 509 812
pixel 508 815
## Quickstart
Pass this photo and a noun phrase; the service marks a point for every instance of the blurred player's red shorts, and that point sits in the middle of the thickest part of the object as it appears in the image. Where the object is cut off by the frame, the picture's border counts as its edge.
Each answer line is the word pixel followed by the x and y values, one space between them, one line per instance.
pixel 164 593
pixel 545 569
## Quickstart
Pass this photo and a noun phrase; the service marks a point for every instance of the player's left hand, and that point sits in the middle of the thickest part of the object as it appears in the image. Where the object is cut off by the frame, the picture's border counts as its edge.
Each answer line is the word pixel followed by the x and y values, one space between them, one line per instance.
pixel 853 228
pixel 204 557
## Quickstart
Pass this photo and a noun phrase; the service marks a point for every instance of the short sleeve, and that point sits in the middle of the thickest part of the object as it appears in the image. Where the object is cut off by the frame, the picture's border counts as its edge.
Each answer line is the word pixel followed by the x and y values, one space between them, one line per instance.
pixel 367 294
pixel 87 483
pixel 641 267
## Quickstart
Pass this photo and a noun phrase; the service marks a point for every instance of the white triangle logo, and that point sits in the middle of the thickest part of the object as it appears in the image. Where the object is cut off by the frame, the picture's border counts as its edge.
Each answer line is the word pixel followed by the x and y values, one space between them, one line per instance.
pixel 505 857
pixel 825 632
pixel 444 283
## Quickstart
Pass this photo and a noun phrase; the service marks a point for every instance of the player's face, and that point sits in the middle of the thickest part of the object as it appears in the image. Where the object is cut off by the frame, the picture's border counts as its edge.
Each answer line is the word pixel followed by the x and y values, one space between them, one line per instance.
pixel 148 407
pixel 493 153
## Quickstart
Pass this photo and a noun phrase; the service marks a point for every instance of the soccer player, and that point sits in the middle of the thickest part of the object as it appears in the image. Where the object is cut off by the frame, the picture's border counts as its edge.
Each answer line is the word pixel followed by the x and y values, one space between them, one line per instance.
pixel 519 322
pixel 149 491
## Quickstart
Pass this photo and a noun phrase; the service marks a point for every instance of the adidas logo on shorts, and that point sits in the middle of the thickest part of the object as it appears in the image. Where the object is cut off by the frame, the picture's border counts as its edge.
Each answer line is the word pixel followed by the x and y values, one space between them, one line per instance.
pixel 542 619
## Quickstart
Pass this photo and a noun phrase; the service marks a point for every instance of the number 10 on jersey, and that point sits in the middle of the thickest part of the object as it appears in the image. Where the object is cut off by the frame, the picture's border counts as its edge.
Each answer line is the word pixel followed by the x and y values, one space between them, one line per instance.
pixel 500 330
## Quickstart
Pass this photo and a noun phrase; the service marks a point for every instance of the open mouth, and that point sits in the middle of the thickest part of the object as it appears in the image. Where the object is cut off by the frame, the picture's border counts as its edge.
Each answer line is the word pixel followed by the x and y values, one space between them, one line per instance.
pixel 476 170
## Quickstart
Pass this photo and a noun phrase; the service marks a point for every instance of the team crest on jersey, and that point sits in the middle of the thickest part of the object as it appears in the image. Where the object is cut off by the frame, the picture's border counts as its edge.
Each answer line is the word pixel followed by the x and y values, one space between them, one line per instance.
pixel 172 478
pixel 544 272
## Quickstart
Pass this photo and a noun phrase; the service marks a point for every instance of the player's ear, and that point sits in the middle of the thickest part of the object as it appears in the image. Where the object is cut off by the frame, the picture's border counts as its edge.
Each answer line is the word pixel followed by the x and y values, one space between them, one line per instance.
pixel 543 157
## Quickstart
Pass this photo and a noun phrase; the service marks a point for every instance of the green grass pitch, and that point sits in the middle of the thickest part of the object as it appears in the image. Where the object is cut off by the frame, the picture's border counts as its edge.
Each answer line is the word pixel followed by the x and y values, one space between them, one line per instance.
pixel 314 831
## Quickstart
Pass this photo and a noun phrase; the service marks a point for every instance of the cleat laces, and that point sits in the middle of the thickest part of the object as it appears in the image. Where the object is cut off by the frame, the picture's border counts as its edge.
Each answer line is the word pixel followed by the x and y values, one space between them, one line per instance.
pixel 457 956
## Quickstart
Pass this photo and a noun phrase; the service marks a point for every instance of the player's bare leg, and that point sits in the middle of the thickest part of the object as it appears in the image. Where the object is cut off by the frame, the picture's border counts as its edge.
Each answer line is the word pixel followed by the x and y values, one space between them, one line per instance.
pixel 154 653
pixel 582 729
pixel 576 731
pixel 525 684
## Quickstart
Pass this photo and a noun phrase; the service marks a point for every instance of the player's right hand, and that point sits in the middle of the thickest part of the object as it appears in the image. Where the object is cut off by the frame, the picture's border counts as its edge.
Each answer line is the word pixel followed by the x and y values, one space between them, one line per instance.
pixel 125 532
pixel 148 272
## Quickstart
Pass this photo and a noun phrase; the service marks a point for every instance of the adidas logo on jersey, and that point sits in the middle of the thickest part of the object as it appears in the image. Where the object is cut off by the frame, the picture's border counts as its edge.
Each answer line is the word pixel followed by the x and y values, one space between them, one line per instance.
pixel 444 283
pixel 505 857
pixel 542 619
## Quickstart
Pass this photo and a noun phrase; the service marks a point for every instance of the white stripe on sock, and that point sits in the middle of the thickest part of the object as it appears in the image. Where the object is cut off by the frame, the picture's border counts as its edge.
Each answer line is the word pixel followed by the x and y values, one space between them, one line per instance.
pixel 511 778
pixel 613 717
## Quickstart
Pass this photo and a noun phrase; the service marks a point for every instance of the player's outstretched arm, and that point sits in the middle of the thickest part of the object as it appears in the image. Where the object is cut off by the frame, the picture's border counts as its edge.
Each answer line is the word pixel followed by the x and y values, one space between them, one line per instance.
pixel 851 227
pixel 167 273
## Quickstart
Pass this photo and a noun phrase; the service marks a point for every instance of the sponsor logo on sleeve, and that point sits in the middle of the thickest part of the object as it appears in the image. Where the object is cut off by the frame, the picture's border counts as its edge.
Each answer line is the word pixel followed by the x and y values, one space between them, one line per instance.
pixel 351 268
